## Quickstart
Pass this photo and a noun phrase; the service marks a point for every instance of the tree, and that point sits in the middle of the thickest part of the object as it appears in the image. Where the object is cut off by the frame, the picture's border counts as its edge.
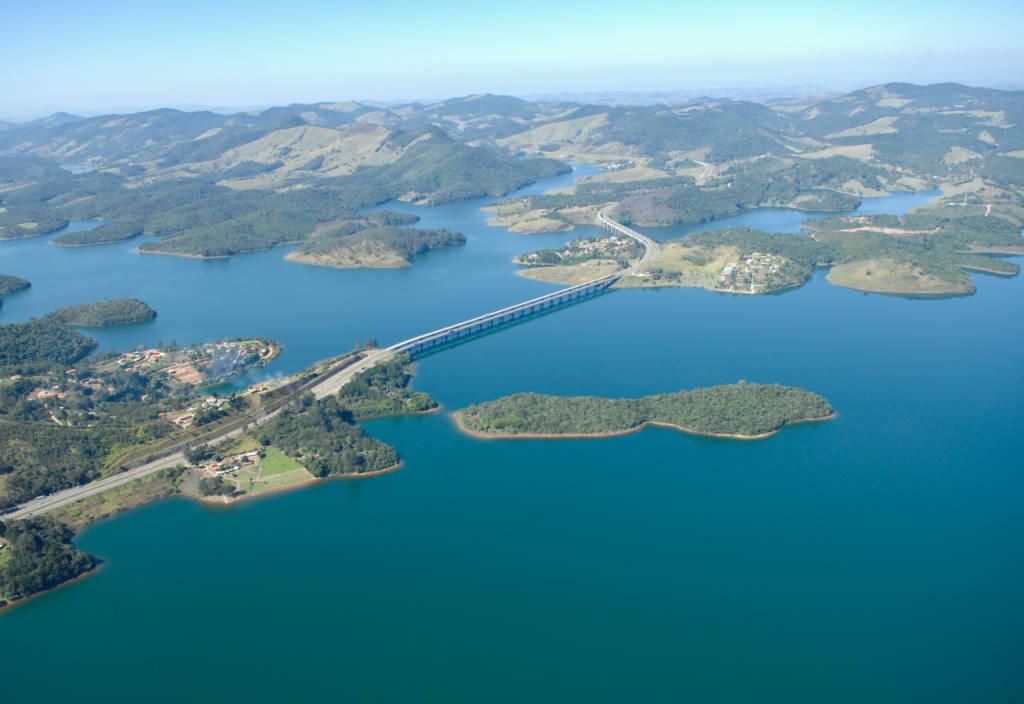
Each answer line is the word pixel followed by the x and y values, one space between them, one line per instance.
pixel 197 454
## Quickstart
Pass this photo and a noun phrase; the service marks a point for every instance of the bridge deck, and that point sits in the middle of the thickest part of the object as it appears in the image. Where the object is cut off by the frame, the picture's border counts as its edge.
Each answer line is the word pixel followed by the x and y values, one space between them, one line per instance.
pixel 504 316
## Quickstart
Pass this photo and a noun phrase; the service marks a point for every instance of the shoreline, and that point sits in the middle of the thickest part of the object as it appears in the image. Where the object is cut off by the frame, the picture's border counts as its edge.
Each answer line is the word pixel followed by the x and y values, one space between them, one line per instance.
pixel 227 501
pixel 207 502
pixel 457 418
pixel 100 564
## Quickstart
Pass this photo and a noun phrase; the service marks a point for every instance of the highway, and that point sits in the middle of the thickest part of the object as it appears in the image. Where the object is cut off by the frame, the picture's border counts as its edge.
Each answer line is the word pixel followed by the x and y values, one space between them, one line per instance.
pixel 652 250
pixel 44 504
pixel 334 381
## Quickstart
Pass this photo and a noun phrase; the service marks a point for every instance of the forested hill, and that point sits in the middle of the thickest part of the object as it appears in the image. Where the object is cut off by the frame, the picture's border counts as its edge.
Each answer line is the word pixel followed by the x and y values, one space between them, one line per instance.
pixel 273 190
pixel 210 184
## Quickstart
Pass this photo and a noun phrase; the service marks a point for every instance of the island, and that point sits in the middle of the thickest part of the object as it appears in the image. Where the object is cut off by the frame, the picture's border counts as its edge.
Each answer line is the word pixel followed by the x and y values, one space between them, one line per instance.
pixel 744 411
pixel 372 248
pixel 114 311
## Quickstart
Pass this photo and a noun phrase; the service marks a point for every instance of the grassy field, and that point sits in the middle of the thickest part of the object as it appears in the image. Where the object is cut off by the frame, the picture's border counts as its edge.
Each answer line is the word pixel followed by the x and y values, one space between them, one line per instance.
pixel 569 274
pixel 276 462
pixel 887 276
pixel 696 266
pixel 276 471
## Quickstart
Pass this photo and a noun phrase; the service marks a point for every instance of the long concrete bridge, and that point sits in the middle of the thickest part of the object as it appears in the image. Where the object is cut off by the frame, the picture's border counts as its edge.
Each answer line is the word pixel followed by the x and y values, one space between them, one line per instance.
pixel 505 316
pixel 334 378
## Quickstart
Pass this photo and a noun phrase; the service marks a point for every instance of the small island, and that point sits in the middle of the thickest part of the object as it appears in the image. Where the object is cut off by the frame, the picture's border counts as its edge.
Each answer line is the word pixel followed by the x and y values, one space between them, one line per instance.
pixel 742 411
pixel 116 311
pixel 373 248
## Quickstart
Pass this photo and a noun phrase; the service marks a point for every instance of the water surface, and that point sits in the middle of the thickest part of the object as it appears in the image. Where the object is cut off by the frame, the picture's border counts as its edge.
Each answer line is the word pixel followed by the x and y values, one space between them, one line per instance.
pixel 877 557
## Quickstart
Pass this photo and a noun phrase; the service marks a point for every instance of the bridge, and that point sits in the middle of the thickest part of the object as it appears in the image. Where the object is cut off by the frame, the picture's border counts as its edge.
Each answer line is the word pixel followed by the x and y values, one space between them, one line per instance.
pixel 483 323
pixel 331 380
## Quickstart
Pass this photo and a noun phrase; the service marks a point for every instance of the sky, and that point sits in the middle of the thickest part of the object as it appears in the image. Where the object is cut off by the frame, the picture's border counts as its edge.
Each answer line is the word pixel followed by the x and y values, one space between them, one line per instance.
pixel 92 56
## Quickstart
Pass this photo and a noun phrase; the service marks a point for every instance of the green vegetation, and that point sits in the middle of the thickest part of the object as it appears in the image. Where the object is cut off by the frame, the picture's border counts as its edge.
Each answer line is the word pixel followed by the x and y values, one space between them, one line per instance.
pixel 738 410
pixel 107 233
pixel 12 284
pixel 116 311
pixel 39 344
pixel 276 462
pixel 384 391
pixel 374 247
pixel 324 437
pixel 41 558
pixel 201 217
pixel 16 223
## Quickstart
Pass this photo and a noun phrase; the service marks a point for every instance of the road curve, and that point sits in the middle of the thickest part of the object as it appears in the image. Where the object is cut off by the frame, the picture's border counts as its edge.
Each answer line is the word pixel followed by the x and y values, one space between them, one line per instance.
pixel 652 250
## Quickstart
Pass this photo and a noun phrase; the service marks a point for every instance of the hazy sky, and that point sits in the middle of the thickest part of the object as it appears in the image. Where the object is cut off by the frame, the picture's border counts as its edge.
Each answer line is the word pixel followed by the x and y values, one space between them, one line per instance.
pixel 91 55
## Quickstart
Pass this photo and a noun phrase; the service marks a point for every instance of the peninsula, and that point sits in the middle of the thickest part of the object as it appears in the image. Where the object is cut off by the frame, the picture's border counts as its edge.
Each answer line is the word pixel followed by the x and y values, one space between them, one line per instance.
pixel 742 411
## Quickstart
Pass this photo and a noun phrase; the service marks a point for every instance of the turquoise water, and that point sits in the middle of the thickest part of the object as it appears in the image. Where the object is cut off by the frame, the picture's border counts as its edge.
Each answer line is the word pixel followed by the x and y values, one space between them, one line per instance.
pixel 877 557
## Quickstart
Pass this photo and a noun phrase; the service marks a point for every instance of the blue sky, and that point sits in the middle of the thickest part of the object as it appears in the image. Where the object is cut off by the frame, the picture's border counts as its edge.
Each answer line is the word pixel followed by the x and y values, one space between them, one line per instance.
pixel 91 55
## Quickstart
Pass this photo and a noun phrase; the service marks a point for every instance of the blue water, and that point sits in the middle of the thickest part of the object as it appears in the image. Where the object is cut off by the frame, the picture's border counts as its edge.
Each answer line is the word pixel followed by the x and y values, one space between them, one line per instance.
pixel 877 557
pixel 789 220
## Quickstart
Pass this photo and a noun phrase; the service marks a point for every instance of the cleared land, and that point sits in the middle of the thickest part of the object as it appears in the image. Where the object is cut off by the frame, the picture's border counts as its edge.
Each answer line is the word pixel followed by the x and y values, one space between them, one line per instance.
pixel 898 278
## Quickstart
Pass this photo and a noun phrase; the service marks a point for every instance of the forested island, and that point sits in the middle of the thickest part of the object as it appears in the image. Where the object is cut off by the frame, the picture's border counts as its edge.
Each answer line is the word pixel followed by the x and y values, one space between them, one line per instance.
pixel 115 311
pixel 745 411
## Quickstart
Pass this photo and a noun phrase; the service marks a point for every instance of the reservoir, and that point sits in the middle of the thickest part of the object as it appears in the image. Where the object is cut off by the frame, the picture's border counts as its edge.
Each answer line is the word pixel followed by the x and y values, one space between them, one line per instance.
pixel 878 557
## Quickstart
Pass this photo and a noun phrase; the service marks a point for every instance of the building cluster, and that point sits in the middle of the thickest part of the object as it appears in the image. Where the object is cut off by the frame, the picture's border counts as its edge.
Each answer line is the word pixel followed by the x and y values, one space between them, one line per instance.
pixel 754 273
pixel 231 463
pixel 611 247
pixel 187 418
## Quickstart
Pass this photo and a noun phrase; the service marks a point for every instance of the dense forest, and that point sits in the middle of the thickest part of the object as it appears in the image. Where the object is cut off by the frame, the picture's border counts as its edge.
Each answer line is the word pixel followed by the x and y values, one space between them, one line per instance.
pixel 16 223
pixel 324 437
pixel 116 311
pixel 738 409
pixel 384 391
pixel 39 344
pixel 42 557
pixel 107 233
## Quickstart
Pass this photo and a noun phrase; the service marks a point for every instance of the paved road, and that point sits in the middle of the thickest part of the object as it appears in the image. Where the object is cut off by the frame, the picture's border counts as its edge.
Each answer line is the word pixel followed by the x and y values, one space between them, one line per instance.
pixel 326 387
pixel 334 383
pixel 652 250
pixel 45 504
pixel 707 173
